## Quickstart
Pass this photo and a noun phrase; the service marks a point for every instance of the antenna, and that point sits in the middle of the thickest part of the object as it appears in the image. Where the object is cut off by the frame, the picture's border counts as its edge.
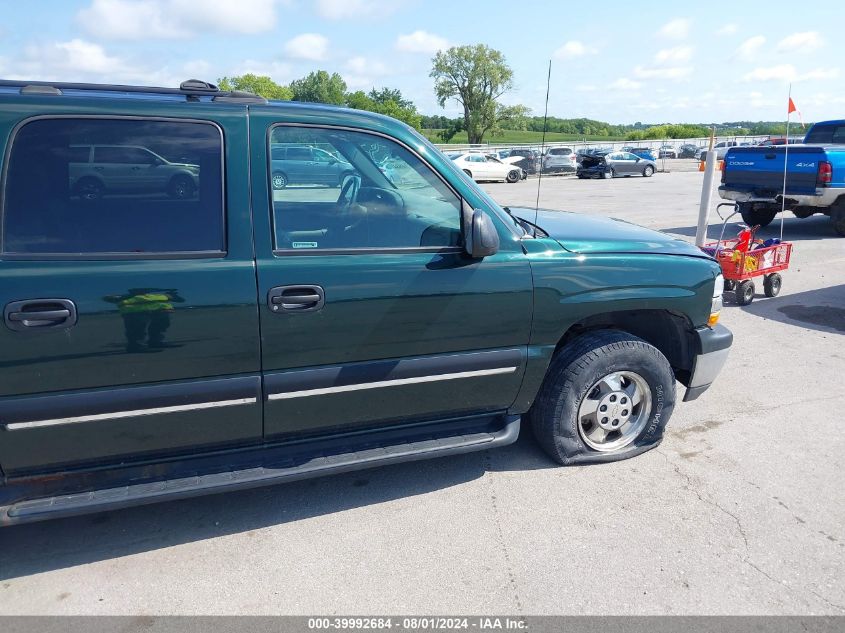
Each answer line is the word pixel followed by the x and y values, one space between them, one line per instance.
pixel 542 148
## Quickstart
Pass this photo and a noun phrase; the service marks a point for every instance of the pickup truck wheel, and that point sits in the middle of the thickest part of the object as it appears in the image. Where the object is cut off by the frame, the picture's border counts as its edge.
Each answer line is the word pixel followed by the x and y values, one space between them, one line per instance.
pixel 745 292
pixel 837 216
pixel 755 217
pixel 771 285
pixel 607 396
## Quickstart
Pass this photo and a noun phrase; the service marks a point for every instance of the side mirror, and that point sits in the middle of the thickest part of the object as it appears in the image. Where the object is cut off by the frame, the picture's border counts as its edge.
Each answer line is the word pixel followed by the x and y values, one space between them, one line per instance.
pixel 480 235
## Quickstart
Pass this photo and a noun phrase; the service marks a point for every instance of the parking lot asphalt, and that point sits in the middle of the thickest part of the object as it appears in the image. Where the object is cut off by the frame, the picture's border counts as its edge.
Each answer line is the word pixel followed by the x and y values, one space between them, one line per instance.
pixel 741 510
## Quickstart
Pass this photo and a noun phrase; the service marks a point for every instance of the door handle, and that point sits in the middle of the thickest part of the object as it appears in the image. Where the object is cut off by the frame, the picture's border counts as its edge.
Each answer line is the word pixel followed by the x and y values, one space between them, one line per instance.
pixel 40 314
pixel 296 298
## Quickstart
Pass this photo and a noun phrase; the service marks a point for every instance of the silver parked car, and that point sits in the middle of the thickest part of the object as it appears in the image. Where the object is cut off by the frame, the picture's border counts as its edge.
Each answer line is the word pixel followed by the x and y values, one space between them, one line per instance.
pixel 614 164
pixel 97 170
pixel 559 160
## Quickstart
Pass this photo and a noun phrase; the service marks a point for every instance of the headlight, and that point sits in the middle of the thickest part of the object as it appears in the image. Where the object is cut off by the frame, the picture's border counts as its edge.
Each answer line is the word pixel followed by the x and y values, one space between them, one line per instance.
pixel 716 305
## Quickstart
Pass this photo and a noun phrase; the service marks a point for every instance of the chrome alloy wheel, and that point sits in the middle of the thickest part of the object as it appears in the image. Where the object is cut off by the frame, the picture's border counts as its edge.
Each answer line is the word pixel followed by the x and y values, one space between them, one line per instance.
pixel 614 411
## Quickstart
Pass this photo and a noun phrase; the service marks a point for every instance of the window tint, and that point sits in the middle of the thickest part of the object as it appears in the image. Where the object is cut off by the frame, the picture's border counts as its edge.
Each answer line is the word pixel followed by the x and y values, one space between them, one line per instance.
pixel 299 153
pixel 826 134
pixel 374 193
pixel 152 187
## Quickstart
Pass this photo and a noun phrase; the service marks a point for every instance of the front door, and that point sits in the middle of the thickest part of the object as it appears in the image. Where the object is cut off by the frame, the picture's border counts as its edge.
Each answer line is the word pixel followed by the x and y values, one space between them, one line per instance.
pixel 130 316
pixel 370 312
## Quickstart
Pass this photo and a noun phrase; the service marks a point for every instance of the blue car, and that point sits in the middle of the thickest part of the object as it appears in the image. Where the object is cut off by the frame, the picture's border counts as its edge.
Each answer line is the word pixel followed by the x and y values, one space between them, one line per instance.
pixel 642 152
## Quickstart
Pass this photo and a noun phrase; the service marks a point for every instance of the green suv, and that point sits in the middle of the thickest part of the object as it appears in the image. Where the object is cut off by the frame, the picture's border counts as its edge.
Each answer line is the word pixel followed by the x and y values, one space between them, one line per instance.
pixel 160 344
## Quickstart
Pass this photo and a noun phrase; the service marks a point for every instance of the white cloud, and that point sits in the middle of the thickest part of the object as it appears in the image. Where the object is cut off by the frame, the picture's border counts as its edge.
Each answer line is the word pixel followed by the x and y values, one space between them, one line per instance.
pixel 677 55
pixel 573 49
pixel 673 72
pixel 623 83
pixel 169 19
pixel 728 29
pixel 421 42
pixel 310 46
pixel 280 72
pixel 820 74
pixel 676 29
pixel 364 66
pixel 749 48
pixel 343 9
pixel 788 72
pixel 76 57
pixel 801 42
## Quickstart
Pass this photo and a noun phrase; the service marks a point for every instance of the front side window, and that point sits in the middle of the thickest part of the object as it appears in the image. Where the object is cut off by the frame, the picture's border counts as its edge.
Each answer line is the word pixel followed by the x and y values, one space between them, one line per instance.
pixel 113 186
pixel 360 191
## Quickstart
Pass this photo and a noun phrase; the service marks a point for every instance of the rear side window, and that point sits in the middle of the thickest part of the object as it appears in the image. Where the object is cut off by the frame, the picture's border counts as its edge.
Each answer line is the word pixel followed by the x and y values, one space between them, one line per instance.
pixel 826 134
pixel 113 186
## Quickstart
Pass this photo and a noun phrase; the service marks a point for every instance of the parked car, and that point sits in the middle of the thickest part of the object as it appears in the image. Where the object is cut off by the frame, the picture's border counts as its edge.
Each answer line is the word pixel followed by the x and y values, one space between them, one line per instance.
pixel 157 348
pixel 615 164
pixel 753 177
pixel 688 150
pixel 721 148
pixel 304 165
pixel 642 152
pixel 530 158
pixel 98 170
pixel 667 151
pixel 559 160
pixel 481 167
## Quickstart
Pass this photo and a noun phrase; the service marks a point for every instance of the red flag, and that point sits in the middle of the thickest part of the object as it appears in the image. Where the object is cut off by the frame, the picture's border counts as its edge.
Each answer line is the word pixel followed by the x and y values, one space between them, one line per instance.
pixel 791 107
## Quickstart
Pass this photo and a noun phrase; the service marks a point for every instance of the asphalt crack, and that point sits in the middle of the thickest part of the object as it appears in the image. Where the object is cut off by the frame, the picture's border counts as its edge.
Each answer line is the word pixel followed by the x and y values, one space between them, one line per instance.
pixel 500 533
pixel 746 560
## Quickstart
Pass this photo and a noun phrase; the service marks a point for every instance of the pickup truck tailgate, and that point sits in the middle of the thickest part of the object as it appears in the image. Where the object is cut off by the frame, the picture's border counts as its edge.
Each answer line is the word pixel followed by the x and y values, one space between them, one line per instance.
pixel 760 169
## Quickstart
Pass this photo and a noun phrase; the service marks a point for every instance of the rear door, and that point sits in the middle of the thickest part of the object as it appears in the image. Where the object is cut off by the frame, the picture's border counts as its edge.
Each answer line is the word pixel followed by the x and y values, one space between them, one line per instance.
pixel 131 326
pixel 370 313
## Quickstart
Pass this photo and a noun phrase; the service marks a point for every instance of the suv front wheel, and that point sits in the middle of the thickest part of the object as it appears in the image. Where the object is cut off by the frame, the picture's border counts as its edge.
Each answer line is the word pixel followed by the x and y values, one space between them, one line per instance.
pixel 607 396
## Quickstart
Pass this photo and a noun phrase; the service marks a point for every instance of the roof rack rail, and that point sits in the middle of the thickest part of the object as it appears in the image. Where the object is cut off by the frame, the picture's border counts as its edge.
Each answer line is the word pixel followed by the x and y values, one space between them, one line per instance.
pixel 192 89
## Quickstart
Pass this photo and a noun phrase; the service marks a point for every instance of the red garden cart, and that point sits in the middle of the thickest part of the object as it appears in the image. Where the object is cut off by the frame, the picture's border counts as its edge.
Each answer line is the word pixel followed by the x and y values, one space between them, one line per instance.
pixel 744 258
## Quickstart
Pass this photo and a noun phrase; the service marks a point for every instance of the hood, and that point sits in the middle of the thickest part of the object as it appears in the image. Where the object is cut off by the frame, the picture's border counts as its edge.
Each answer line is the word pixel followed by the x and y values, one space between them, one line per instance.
pixel 591 234
pixel 510 160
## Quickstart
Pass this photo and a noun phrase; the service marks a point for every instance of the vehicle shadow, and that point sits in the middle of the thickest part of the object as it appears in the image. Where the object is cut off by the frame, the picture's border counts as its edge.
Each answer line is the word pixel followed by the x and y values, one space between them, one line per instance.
pixel 822 309
pixel 818 227
pixel 40 547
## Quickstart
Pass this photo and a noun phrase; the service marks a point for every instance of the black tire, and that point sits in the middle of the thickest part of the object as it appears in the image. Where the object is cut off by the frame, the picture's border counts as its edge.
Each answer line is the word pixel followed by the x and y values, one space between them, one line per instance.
pixel 729 286
pixel 181 187
pixel 745 292
pixel 571 376
pixel 89 189
pixel 837 216
pixel 771 285
pixel 756 217
pixel 648 172
pixel 279 180
pixel 609 174
pixel 513 176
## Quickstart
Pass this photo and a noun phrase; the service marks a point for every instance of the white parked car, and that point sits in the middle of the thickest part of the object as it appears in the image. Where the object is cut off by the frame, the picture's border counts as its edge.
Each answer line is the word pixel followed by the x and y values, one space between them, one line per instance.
pixel 479 166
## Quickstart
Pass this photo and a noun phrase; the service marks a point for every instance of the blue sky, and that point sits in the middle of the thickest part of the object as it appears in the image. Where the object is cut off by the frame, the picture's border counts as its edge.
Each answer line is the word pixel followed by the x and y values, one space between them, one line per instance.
pixel 615 61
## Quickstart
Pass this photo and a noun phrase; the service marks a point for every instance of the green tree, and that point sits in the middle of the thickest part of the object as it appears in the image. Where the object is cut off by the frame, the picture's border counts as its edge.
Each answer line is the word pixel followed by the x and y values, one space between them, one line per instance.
pixel 474 76
pixel 320 87
pixel 257 84
pixel 386 101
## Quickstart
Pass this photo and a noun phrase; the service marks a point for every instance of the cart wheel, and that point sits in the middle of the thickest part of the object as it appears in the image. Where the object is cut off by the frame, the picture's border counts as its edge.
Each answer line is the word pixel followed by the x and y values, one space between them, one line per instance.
pixel 745 292
pixel 729 285
pixel 771 285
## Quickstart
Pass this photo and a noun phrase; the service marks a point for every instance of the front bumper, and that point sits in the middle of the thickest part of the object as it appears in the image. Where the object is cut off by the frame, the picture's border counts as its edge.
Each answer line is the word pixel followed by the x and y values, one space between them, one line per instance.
pixel 712 348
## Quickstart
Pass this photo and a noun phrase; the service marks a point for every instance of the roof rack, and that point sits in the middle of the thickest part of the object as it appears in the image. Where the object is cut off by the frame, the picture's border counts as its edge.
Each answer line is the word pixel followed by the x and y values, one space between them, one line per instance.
pixel 192 90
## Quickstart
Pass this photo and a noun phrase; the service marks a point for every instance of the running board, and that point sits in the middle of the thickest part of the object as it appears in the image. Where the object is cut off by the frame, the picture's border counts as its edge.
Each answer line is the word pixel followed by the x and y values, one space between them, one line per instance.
pixel 166 490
